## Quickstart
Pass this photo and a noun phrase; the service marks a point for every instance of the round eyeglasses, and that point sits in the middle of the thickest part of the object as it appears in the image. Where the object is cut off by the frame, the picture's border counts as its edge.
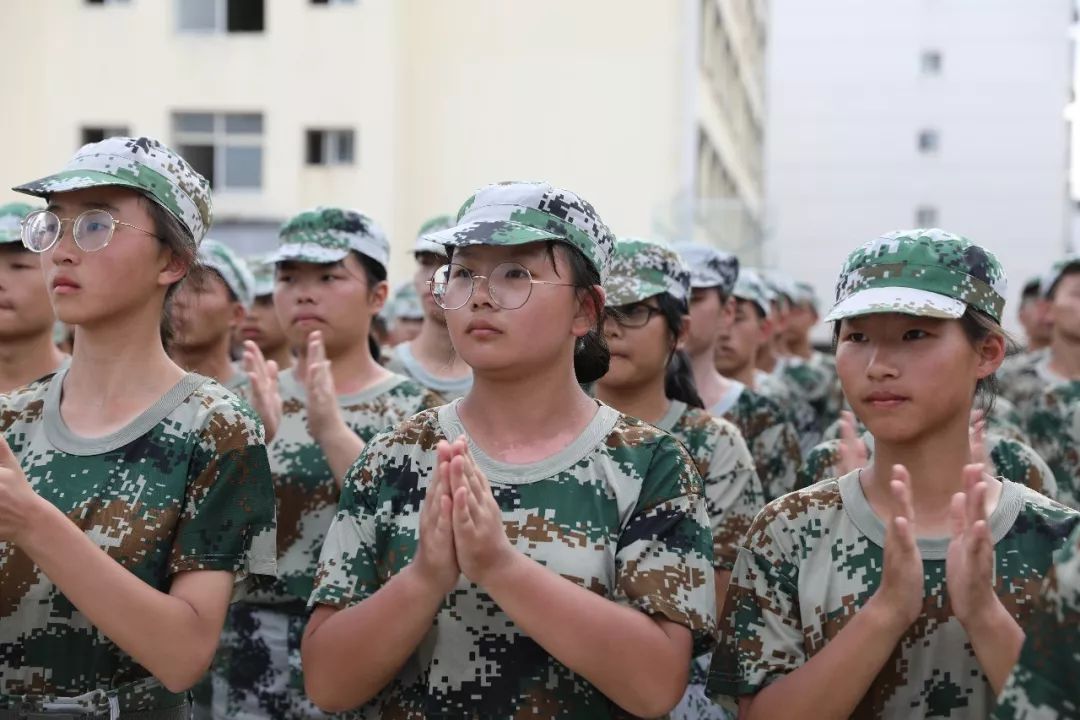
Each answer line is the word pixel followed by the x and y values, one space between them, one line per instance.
pixel 92 230
pixel 509 285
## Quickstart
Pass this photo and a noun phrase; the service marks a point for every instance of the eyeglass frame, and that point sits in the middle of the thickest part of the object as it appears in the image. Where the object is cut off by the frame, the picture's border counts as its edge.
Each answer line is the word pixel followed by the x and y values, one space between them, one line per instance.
pixel 472 290
pixel 75 221
pixel 617 315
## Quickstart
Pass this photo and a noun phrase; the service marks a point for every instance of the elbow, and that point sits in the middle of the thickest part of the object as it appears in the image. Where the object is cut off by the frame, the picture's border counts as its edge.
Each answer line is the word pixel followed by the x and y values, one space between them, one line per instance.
pixel 324 693
pixel 658 698
pixel 182 673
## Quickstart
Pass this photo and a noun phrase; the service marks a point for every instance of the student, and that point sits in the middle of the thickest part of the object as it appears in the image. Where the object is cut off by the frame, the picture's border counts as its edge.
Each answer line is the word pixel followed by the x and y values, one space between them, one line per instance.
pixel 648 290
pixel 331 280
pixel 764 425
pixel 829 401
pixel 133 495
pixel 207 312
pixel 898 590
pixel 480 544
pixel 404 314
pixel 1033 317
pixel 27 351
pixel 430 359
pixel 261 323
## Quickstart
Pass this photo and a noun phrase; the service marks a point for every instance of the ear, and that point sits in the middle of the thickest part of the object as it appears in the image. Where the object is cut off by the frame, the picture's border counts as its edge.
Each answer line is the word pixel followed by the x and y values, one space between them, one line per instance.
pixel 766 327
pixel 377 297
pixel 239 312
pixel 684 333
pixel 174 268
pixel 991 352
pixel 588 312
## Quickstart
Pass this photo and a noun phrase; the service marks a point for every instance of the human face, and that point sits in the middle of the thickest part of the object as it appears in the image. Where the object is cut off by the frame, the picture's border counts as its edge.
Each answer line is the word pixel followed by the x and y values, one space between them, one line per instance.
pixel 334 298
pixel 83 286
pixel 709 315
pixel 906 377
pixel 25 310
pixel 262 326
pixel 426 265
pixel 204 313
pixel 639 355
pixel 738 345
pixel 532 338
pixel 1065 307
pixel 1037 322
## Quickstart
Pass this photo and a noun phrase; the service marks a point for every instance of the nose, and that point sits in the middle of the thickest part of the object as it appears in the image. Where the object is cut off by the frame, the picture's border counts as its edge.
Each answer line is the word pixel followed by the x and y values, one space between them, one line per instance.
pixel 64 251
pixel 481 293
pixel 612 328
pixel 881 365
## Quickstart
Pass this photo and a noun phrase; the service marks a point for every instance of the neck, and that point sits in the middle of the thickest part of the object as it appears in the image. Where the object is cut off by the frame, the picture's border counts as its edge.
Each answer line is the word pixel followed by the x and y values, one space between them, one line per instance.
pixel 801 347
pixel 433 349
pixel 1065 355
pixel 352 368
pixel 766 358
pixel 25 359
pixel 711 385
pixel 282 355
pixel 747 375
pixel 646 401
pixel 210 360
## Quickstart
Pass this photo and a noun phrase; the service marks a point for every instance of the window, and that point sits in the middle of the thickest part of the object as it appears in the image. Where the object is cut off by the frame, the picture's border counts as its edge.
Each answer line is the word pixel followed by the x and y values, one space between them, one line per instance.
pixel 926 216
pixel 97 134
pixel 225 147
pixel 222 15
pixel 931 62
pixel 928 141
pixel 330 147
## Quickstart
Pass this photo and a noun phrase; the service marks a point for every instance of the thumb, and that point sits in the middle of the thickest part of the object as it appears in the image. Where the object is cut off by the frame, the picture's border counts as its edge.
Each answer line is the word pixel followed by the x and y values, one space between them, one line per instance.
pixel 7 457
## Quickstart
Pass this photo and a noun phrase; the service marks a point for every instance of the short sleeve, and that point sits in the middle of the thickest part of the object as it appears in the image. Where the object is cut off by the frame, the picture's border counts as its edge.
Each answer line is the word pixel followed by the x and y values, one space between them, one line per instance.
pixel 778 456
pixel 733 496
pixel 820 463
pixel 760 629
pixel 228 518
pixel 348 567
pixel 664 559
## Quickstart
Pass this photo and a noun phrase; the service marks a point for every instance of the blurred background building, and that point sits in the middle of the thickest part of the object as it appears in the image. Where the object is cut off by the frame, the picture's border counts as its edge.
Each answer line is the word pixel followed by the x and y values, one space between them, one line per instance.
pixel 653 110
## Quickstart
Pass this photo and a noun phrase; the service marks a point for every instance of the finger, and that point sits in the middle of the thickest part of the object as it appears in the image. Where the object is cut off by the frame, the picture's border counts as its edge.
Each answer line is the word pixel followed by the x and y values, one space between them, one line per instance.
pixel 972 474
pixel 900 475
pixel 958 514
pixel 474 476
pixel 443 451
pixel 977 505
pixel 903 536
pixel 457 475
pixel 7 457
pixel 444 523
pixel 462 520
pixel 984 547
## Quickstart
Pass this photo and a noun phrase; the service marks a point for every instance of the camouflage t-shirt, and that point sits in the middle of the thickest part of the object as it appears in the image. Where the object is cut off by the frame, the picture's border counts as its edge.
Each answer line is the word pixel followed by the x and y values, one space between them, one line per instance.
pixel 733 493
pixel 618 511
pixel 813 559
pixel 1042 686
pixel 402 361
pixel 772 440
pixel 1054 428
pixel 1011 460
pixel 800 414
pixel 1024 379
pixel 184 486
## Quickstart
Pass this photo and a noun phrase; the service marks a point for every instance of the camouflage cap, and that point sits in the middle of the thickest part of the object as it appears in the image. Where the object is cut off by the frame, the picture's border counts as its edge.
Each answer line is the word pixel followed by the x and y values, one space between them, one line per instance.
pixel 11 217
pixel 263 273
pixel 709 266
pixel 327 234
pixel 1048 281
pixel 752 287
pixel 434 225
pixel 405 304
pixel 780 283
pixel 141 164
pixel 222 260
pixel 930 273
pixel 642 268
pixel 805 294
pixel 516 213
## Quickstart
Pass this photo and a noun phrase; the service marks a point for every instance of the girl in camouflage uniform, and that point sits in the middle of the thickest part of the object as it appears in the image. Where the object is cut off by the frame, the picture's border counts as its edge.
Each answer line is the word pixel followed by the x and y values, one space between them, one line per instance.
pixel 647 291
pixel 555 562
pixel 898 590
pixel 133 495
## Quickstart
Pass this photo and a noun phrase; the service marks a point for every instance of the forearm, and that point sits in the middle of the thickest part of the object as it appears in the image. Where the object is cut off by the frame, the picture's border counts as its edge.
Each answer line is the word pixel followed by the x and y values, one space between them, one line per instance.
pixel 629 656
pixel 997 640
pixel 165 634
pixel 833 682
pixel 337 675
pixel 342 447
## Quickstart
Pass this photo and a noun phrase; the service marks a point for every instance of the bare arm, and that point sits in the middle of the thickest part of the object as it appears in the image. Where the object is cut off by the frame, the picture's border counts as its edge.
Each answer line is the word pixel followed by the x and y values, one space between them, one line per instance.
pixel 339 444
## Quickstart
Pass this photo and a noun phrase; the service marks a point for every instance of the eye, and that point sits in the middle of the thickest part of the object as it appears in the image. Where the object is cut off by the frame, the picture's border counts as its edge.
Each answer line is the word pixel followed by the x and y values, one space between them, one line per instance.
pixel 855 337
pixel 284 278
pixel 916 334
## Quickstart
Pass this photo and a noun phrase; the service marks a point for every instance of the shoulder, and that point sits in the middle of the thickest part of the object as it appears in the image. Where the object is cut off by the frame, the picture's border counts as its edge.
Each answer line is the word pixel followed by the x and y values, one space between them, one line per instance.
pixel 1043 516
pixel 420 432
pixel 820 462
pixel 651 455
pixel 796 518
pixel 24 404
pixel 218 415
pixel 411 394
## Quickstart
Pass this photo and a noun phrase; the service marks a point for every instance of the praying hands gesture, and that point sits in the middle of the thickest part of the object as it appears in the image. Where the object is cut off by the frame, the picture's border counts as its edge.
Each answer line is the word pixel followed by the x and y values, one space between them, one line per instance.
pixel 265 395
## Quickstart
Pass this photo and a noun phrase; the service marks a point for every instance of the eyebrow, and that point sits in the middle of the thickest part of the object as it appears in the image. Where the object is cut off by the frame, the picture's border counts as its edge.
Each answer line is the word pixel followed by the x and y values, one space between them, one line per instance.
pixel 87 205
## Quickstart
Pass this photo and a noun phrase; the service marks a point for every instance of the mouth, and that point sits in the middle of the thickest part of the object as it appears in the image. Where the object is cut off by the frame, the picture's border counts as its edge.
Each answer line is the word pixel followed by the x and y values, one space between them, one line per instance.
pixel 306 319
pixel 885 400
pixel 482 329
pixel 64 286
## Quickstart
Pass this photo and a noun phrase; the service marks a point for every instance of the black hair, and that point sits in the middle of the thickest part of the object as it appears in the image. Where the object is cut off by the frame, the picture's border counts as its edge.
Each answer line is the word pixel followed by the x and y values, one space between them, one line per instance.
pixel 591 354
pixel 177 238
pixel 1032 290
pixel 374 273
pixel 679 376
pixel 1073 268
pixel 758 310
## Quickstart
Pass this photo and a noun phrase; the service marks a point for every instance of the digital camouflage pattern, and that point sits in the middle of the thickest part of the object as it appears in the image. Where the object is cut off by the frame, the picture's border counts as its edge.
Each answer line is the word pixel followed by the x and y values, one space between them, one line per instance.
pixel 1023 379
pixel 619 511
pixel 709 267
pixel 307 498
pixel 516 213
pixel 817 382
pixel 771 438
pixel 184 487
pixel 11 217
pixel 750 286
pixel 1054 427
pixel 1042 685
pixel 799 412
pixel 641 269
pixel 233 271
pixel 733 496
pixel 931 273
pixel 262 272
pixel 434 225
pixel 142 164
pixel 405 303
pixel 813 559
pixel 327 235
pixel 400 360
pixel 1009 459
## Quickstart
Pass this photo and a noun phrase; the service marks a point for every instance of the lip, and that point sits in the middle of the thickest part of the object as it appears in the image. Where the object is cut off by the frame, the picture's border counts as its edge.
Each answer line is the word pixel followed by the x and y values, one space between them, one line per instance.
pixel 250 333
pixel 306 318
pixel 63 285
pixel 481 328
pixel 884 399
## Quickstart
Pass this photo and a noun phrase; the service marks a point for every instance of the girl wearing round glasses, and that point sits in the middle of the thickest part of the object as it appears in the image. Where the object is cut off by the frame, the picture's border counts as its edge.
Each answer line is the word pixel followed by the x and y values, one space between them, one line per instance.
pixel 133 495
pixel 650 378
pixel 523 550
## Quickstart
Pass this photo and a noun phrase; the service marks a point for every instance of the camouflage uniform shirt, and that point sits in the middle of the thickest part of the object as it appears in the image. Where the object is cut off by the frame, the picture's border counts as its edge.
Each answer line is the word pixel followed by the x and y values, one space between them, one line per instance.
pixel 618 511
pixel 813 558
pixel 801 415
pixel 1054 428
pixel 401 360
pixel 184 486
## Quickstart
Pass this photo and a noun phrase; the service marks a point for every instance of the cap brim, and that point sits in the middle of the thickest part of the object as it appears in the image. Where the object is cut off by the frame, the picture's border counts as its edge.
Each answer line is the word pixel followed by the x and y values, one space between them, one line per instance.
pixel 74 180
pixel 307 252
pixel 423 245
pixel 617 297
pixel 903 300
pixel 491 232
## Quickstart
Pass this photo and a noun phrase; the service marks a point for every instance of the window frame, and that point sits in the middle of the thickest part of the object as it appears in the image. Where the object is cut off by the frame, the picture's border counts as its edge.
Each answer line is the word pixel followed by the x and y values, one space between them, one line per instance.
pixel 219 140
